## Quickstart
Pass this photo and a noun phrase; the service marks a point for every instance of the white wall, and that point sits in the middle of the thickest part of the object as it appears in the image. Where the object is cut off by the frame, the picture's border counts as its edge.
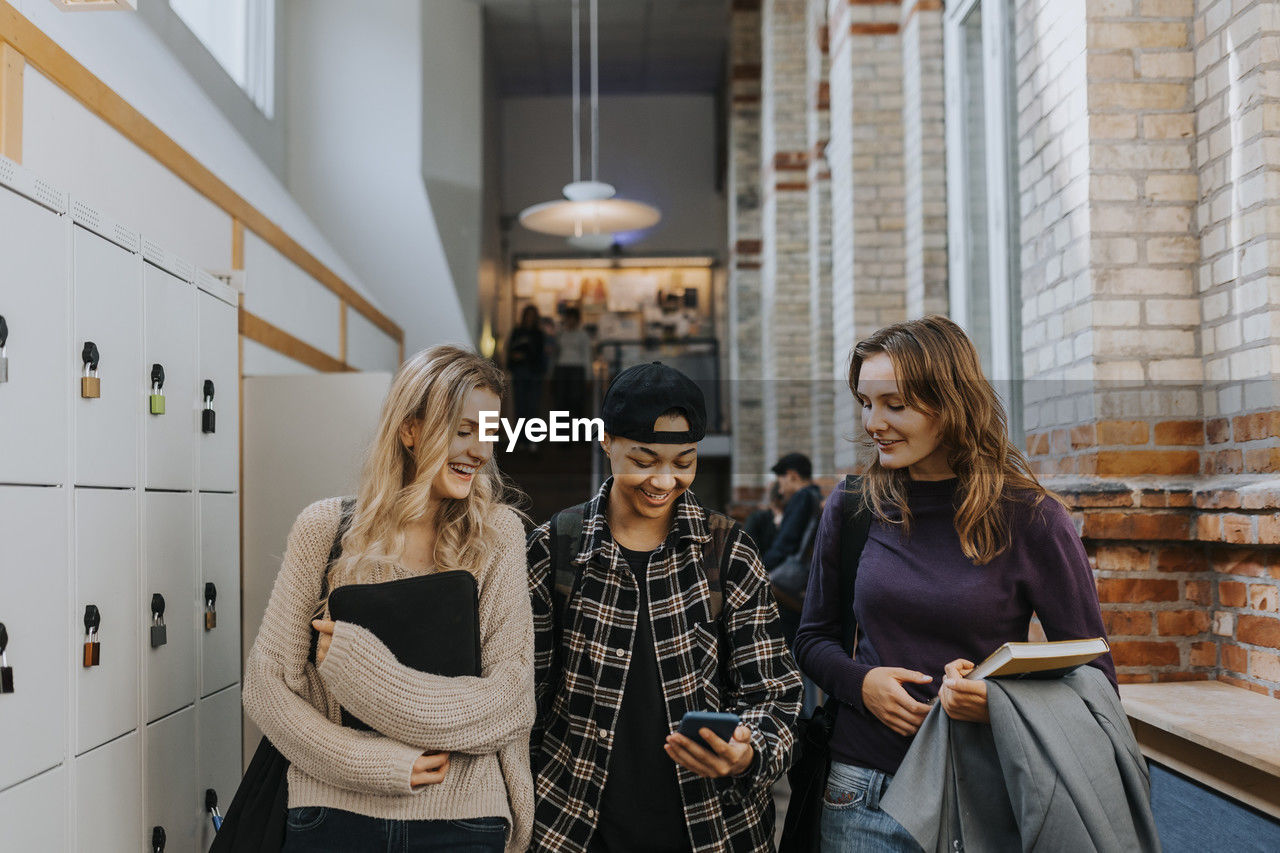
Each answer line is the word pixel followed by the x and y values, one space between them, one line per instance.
pixel 354 151
pixel 122 51
pixel 453 127
pixel 659 149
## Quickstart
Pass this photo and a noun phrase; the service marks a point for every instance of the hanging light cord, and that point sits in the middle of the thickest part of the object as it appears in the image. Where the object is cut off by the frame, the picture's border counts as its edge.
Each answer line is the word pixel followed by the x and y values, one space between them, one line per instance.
pixel 577 99
pixel 595 88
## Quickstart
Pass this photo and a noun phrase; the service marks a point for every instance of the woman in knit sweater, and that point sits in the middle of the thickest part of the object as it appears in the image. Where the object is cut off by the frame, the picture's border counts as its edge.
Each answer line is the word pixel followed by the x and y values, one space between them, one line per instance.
pixel 964 545
pixel 447 765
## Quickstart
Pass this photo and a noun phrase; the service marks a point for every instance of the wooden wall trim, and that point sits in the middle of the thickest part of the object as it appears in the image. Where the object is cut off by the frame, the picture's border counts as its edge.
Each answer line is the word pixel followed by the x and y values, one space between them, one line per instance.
pixel 342 331
pixel 259 330
pixel 11 67
pixel 237 244
pixel 50 59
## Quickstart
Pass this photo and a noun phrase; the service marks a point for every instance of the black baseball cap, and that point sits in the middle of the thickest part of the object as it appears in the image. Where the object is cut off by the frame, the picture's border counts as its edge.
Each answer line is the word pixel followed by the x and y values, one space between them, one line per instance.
pixel 797 462
pixel 639 395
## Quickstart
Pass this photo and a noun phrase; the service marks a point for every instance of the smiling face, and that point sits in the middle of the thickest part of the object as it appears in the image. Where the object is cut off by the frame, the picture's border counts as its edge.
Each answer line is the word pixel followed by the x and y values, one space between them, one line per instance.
pixel 467 453
pixel 648 477
pixel 905 437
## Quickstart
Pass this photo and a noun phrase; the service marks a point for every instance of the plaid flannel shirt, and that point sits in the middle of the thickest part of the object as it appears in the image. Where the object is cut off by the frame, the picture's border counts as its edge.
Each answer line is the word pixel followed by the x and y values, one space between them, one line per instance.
pixel 578 702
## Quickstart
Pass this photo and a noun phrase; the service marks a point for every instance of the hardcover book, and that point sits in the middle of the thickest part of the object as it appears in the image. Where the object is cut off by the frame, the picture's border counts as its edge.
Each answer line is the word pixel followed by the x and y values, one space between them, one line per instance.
pixel 1052 659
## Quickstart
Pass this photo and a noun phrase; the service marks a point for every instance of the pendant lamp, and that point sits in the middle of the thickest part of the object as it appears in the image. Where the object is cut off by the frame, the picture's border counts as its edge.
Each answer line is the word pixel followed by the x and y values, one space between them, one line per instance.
pixel 588 215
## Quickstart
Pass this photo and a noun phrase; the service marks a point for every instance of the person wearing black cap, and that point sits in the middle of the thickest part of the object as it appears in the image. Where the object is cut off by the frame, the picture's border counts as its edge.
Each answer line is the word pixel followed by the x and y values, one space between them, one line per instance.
pixel 648 606
pixel 803 505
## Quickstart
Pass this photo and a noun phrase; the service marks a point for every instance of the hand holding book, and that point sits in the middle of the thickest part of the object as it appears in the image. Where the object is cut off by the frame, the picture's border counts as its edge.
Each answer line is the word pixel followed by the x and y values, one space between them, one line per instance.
pixel 1039 660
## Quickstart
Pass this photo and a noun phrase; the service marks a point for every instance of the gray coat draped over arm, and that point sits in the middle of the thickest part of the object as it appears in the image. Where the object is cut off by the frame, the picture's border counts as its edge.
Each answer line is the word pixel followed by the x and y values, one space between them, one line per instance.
pixel 1057 769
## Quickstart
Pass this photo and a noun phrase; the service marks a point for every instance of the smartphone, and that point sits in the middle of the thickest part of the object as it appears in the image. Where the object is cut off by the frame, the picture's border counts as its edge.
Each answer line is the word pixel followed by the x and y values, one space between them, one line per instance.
pixel 723 725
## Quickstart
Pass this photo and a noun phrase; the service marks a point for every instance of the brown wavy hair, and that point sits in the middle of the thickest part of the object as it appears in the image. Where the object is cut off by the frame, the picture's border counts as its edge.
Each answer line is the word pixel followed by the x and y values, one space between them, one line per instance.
pixel 939 374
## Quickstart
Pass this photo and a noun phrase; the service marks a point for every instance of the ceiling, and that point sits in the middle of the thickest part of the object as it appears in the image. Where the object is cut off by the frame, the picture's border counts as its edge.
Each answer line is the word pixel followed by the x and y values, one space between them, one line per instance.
pixel 645 45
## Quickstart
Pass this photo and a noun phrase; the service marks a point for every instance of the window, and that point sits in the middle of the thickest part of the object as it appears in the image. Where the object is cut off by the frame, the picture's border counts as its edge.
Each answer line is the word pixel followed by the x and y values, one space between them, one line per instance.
pixel 241 36
pixel 982 191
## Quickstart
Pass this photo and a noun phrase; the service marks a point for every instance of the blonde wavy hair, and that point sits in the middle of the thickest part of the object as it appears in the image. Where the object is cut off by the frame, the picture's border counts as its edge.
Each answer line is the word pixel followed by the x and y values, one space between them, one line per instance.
pixel 430 390
pixel 939 373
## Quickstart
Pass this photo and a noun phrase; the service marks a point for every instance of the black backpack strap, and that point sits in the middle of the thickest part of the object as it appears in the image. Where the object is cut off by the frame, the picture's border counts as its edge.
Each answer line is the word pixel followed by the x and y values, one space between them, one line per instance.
pixel 335 551
pixel 566 542
pixel 855 526
pixel 715 552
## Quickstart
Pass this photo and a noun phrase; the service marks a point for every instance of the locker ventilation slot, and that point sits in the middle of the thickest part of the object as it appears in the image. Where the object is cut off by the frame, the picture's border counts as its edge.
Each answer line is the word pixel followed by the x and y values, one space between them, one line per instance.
pixel 217 286
pixel 23 182
pixel 153 253
pixel 85 216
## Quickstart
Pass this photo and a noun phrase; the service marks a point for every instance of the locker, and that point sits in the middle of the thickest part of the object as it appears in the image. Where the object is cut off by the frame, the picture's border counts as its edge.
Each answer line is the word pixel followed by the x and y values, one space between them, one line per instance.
pixel 33 601
pixel 34 303
pixel 171 799
pixel 169 438
pixel 33 815
pixel 108 798
pixel 107 308
pixel 219 752
pixel 170 571
pixel 106 537
pixel 220 565
pixel 219 361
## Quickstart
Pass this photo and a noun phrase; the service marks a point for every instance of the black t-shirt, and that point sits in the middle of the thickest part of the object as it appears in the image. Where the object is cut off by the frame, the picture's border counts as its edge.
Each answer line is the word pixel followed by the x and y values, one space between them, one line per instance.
pixel 640 808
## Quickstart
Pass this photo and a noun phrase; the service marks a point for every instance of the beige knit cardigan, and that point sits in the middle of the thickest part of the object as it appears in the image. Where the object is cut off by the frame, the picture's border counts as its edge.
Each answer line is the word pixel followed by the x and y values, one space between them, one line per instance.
pixel 484 722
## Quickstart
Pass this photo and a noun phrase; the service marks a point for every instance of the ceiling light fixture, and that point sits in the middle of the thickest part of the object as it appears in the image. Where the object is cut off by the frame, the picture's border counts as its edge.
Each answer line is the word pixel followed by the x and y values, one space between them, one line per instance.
pixel 589 215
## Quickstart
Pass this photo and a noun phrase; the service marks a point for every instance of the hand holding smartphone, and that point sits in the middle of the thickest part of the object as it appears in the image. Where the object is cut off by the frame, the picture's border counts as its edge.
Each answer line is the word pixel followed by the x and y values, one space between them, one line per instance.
pixel 722 724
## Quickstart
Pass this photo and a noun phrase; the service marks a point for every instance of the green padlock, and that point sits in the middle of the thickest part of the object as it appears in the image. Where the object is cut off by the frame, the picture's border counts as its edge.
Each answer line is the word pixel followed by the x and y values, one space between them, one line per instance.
pixel 157 389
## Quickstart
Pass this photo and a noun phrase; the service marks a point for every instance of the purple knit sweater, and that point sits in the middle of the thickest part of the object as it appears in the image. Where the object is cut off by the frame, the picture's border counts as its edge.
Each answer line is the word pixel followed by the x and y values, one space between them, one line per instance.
pixel 920 604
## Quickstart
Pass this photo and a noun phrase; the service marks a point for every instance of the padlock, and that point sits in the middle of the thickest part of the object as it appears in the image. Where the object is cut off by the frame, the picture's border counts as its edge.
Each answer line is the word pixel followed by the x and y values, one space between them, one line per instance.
pixel 6 671
pixel 92 648
pixel 157 389
pixel 211 806
pixel 159 633
pixel 90 384
pixel 4 358
pixel 158 839
pixel 210 610
pixel 207 417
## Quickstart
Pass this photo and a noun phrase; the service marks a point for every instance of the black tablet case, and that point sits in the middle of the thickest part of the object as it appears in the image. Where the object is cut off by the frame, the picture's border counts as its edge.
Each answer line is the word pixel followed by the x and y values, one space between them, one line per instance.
pixel 429 622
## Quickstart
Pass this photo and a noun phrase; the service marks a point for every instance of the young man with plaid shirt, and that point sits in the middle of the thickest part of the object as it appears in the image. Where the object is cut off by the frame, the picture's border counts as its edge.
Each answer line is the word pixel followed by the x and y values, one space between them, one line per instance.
pixel 648 606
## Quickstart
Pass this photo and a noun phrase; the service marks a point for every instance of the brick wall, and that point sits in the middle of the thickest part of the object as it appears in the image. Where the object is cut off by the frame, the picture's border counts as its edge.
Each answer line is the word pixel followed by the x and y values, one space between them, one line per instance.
pixel 924 159
pixel 785 289
pixel 868 278
pixel 1145 158
pixel 745 241
pixel 822 389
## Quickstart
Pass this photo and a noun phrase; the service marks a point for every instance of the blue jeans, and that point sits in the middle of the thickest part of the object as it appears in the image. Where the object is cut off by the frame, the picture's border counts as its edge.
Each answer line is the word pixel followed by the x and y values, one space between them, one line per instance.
pixel 851 818
pixel 315 829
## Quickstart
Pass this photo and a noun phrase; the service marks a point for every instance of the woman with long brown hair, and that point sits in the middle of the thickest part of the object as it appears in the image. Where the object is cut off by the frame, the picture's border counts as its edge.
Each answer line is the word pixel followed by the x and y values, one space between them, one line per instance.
pixel 964 546
pixel 446 766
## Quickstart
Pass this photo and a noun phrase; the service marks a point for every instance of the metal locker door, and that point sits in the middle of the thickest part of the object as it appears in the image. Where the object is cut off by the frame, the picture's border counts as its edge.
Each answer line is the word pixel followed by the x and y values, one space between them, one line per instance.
pixel 33 599
pixel 220 566
pixel 108 798
pixel 171 800
pixel 107 310
pixel 169 436
pixel 219 752
pixel 33 815
pixel 34 305
pixel 106 537
pixel 170 571
pixel 219 362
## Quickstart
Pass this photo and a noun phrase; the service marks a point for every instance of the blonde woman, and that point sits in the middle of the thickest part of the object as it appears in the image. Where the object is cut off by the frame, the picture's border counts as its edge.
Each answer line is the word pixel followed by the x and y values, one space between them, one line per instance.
pixel 964 545
pixel 447 765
